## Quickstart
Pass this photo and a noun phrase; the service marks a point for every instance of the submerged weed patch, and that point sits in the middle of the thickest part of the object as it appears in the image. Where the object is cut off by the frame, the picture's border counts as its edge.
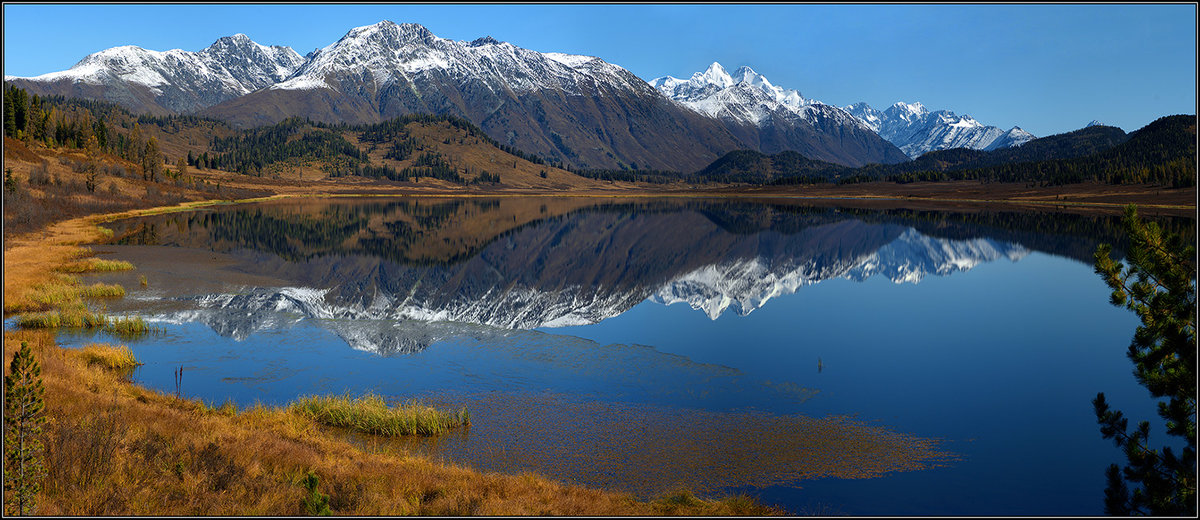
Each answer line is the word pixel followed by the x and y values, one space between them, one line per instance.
pixel 370 414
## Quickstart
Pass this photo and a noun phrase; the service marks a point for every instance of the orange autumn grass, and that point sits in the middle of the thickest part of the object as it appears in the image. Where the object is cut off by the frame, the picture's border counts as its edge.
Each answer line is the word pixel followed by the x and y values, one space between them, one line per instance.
pixel 119 449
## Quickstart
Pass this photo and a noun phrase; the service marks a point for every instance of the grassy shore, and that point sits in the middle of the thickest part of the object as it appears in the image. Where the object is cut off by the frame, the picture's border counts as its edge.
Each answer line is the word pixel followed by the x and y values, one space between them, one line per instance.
pixel 115 448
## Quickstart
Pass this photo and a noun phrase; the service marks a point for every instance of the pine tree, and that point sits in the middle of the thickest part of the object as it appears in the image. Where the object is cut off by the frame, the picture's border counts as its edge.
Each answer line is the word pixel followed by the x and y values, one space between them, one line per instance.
pixel 23 417
pixel 1159 285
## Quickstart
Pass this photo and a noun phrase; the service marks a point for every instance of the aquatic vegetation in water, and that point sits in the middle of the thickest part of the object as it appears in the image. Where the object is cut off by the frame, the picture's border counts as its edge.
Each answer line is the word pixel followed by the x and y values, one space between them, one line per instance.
pixel 100 290
pixel 655 451
pixel 370 414
pixel 79 317
pixel 93 265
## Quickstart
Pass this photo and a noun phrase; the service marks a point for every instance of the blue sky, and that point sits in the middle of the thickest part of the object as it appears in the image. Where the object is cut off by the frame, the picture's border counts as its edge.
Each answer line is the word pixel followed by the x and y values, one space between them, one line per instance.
pixel 1046 68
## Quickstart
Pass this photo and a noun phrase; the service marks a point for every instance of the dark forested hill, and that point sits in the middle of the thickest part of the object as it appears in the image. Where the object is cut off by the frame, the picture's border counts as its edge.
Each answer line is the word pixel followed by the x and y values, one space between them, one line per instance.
pixel 1163 152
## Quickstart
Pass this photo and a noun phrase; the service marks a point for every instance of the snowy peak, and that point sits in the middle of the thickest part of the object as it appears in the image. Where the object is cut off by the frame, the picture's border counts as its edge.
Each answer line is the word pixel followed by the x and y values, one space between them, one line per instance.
pixel 184 81
pixel 744 96
pixel 909 112
pixel 237 41
pixel 391 34
pixel 486 40
pixel 916 130
pixel 1014 137
pixel 870 117
pixel 715 75
pixel 375 56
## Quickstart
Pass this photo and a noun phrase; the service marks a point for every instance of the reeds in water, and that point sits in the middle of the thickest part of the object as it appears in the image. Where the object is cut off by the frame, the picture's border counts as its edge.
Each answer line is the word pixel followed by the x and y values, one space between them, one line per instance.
pixel 100 290
pixel 75 317
pixel 95 265
pixel 370 414
pixel 79 317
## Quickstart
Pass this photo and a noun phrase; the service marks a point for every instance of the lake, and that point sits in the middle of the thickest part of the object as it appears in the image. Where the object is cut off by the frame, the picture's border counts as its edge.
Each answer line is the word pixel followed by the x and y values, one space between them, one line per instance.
pixel 827 359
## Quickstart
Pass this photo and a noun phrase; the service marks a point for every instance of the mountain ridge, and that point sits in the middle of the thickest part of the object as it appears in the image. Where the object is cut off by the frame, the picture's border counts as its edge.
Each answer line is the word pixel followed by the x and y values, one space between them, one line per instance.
pixel 917 130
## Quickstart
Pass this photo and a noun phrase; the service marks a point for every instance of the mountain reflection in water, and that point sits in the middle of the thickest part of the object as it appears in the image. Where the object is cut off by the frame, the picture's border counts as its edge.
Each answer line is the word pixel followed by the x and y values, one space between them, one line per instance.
pixel 517 264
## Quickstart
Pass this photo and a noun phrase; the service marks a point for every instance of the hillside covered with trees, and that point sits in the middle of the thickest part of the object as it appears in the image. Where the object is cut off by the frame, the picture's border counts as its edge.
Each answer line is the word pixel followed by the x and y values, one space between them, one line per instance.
pixel 1161 153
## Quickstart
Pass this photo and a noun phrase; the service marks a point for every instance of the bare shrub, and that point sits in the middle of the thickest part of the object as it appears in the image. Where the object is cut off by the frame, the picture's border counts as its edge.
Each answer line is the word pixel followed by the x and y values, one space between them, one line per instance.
pixel 39 175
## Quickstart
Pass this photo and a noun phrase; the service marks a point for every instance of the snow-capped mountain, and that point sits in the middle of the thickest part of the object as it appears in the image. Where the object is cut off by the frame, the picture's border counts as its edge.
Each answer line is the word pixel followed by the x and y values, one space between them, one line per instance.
pixel 577 109
pixel 171 81
pixel 783 118
pixel 749 98
pixel 1015 136
pixel 916 130
pixel 385 53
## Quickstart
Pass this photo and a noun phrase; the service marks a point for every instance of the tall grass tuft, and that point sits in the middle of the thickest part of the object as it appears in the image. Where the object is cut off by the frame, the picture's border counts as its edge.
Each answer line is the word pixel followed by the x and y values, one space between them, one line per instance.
pixel 100 290
pixel 370 414
pixel 55 294
pixel 79 317
pixel 93 265
pixel 128 327
pixel 111 357
pixel 74 317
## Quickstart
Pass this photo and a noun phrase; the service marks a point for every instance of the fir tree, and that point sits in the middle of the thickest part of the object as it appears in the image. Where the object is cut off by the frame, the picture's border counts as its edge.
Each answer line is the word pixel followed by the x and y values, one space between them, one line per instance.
pixel 1159 285
pixel 23 417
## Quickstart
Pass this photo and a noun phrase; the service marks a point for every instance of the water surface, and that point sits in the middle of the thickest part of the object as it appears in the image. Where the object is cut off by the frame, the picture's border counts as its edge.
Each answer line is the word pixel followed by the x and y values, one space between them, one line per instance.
pixel 827 360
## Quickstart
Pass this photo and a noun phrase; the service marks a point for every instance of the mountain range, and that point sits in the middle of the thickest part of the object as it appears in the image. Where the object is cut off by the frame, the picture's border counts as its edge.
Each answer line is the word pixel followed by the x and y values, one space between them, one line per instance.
pixel 916 130
pixel 574 109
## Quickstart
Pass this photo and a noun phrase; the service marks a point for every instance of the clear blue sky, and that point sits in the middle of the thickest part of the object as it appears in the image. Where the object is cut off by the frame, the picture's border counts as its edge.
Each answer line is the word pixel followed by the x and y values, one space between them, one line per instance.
pixel 1046 68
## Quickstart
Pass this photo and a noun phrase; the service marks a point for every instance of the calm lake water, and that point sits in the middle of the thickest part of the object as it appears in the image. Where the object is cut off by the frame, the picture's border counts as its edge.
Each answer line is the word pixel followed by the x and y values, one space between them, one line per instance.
pixel 828 360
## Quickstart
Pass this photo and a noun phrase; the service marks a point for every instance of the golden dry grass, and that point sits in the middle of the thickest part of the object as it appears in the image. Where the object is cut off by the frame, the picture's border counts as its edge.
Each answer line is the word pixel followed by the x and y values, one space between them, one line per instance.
pixel 370 414
pixel 111 357
pixel 95 265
